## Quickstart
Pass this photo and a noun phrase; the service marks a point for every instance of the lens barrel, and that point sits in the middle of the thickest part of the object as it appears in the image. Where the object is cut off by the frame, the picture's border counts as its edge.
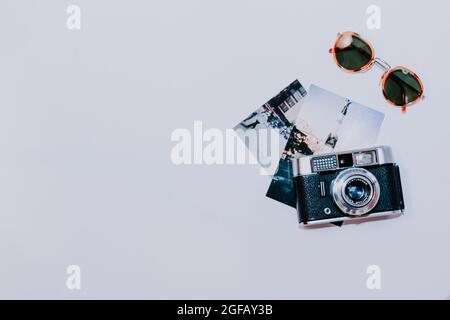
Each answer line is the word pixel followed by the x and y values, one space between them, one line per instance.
pixel 356 191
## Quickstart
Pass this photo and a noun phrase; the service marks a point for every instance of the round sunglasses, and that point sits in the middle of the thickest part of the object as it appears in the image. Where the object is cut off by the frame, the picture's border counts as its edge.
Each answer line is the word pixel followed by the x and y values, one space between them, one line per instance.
pixel 401 86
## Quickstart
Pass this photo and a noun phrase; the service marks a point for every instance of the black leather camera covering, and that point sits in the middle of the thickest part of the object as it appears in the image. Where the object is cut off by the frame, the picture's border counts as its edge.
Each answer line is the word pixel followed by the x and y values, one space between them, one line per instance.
pixel 311 206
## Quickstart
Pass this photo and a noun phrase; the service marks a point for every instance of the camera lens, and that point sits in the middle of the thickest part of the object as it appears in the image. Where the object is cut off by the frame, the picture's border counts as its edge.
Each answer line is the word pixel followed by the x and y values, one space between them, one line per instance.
pixel 357 191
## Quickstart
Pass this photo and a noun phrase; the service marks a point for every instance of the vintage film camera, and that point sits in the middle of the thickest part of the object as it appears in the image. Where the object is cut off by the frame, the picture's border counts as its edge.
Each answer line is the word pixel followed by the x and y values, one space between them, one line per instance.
pixel 345 186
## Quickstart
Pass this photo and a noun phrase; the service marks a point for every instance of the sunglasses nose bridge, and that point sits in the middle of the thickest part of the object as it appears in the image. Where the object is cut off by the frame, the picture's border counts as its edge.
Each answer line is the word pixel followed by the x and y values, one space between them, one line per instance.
pixel 382 64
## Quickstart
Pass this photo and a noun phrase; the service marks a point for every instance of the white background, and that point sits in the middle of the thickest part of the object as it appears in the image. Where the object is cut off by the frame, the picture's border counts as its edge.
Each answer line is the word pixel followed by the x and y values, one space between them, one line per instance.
pixel 85 170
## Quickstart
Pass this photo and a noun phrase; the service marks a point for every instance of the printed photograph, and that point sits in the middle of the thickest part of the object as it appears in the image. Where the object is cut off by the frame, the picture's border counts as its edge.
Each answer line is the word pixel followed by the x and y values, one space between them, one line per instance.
pixel 278 113
pixel 326 123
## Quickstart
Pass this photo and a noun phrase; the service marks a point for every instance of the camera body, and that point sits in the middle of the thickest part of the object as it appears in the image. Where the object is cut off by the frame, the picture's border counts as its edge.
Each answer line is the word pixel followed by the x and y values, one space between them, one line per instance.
pixel 350 185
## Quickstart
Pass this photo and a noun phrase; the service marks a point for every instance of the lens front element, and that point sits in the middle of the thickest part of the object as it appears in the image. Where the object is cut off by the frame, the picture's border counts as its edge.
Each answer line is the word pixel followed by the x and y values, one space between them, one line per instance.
pixel 356 191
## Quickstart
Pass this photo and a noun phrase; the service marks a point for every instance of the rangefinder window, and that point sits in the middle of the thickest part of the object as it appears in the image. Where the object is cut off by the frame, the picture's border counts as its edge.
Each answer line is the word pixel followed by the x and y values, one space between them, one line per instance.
pixel 366 158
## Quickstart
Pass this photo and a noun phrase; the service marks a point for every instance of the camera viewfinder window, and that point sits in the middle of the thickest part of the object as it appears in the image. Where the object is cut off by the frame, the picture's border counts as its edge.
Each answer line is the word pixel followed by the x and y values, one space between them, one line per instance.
pixel 345 160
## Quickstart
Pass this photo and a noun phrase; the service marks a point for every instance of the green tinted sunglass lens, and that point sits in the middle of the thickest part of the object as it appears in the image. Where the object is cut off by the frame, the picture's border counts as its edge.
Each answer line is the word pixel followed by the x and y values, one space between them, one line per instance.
pixel 352 53
pixel 402 87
